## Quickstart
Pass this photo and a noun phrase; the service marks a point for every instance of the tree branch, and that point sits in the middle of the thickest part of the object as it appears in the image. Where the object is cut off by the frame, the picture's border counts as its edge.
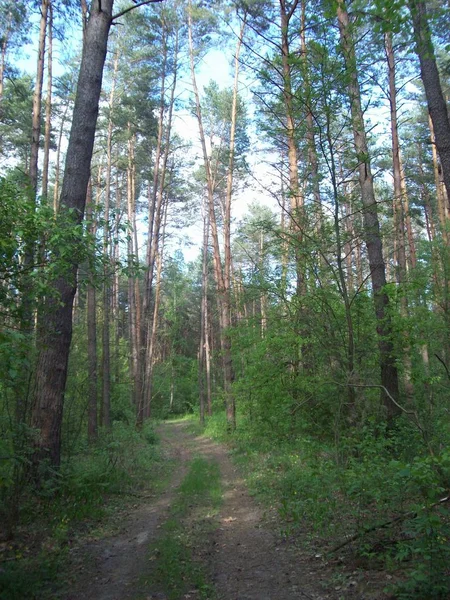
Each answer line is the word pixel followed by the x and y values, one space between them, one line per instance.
pixel 402 517
pixel 130 8
pixel 443 364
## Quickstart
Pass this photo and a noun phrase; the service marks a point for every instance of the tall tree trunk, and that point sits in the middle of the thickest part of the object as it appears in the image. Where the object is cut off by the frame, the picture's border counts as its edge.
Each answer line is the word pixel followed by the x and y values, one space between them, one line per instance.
pixel 37 99
pixel 106 346
pixel 150 355
pixel 154 242
pixel 204 351
pixel 295 192
pixel 58 160
pixel 399 215
pixel 91 333
pixel 54 340
pixel 441 194
pixel 48 103
pixel 437 106
pixel 132 317
pixel 222 276
pixel 389 375
pixel 310 135
pixel 154 220
pixel 3 48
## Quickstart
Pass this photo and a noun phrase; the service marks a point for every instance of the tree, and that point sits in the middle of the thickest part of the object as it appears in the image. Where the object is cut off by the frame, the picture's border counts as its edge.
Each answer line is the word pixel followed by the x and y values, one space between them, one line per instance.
pixel 437 105
pixel 54 341
pixel 389 375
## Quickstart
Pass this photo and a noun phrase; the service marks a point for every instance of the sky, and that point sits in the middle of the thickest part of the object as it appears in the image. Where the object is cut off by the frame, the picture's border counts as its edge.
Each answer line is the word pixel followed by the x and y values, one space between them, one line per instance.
pixel 216 65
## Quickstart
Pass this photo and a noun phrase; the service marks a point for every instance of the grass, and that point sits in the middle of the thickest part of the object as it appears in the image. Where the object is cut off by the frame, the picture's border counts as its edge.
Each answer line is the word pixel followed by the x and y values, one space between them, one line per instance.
pixel 175 569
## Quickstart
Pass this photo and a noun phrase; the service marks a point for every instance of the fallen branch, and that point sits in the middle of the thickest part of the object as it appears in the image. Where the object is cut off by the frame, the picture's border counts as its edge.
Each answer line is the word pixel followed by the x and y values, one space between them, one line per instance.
pixel 402 517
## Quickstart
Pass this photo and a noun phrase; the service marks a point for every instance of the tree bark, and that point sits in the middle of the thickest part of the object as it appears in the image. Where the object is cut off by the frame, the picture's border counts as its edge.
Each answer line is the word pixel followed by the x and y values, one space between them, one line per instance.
pixel 389 375
pixel 37 99
pixel 295 192
pixel 437 106
pixel 399 215
pixel 222 275
pixel 155 241
pixel 48 103
pixel 91 333
pixel 54 340
pixel 106 349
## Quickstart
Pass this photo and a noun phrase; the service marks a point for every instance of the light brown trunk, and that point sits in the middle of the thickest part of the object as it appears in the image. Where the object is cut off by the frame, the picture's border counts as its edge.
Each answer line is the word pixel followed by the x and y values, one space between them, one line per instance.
pixel 154 244
pixel 150 355
pixel 310 136
pixel 400 200
pixel 48 103
pixel 132 316
pixel 91 333
pixel 106 346
pixel 295 192
pixel 220 277
pixel 37 99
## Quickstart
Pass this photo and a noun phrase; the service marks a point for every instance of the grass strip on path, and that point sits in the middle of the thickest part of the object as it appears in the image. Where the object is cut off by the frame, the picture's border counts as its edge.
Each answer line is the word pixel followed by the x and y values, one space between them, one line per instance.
pixel 192 516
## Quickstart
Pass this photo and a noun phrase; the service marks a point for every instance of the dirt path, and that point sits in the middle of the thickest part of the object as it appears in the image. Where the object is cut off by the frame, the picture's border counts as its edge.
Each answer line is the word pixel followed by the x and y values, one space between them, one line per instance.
pixel 114 564
pixel 242 556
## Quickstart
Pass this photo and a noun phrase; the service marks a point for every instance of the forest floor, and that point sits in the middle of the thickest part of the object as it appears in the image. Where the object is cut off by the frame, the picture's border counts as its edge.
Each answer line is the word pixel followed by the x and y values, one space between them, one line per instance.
pixel 202 537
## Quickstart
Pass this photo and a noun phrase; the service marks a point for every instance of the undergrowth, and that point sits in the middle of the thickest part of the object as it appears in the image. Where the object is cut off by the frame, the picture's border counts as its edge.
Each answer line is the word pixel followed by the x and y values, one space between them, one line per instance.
pixel 373 498
pixel 80 494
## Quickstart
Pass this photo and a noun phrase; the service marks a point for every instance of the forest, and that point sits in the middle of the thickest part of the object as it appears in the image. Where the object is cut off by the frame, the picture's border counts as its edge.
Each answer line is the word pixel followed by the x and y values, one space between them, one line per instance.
pixel 226 220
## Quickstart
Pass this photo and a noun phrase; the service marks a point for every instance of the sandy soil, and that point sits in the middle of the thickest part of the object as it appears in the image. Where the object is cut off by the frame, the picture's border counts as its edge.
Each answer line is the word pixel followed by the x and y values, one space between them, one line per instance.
pixel 244 556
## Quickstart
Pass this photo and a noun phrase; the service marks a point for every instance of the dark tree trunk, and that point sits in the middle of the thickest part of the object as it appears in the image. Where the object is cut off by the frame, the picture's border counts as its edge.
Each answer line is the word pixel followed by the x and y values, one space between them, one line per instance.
pixel 389 375
pixel 437 106
pixel 54 340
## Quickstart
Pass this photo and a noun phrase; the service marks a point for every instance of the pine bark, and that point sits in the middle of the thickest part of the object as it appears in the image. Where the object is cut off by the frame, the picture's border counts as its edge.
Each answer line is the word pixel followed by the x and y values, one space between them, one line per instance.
pixel 48 103
pixel 389 375
pixel 54 341
pixel 91 332
pixel 37 99
pixel 437 106
pixel 399 203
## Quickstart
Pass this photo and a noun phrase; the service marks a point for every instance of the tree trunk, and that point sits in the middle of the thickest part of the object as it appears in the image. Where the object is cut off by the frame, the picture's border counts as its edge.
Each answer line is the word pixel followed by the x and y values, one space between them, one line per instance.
pixel 91 333
pixel 222 276
pixel 310 136
pixel 399 216
pixel 389 375
pixel 54 341
pixel 58 161
pixel 3 48
pixel 441 194
pixel 150 354
pixel 132 320
pixel 37 99
pixel 437 107
pixel 295 192
pixel 154 241
pixel 48 103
